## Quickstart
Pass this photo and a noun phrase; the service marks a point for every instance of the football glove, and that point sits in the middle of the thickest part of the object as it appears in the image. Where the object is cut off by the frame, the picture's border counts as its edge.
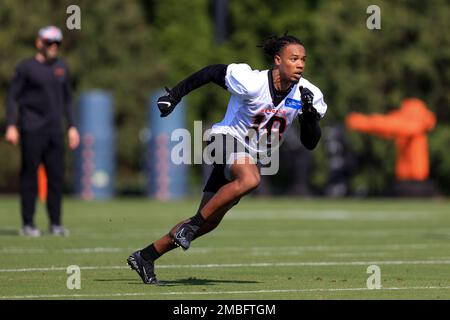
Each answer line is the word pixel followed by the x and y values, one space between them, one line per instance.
pixel 167 103
pixel 309 113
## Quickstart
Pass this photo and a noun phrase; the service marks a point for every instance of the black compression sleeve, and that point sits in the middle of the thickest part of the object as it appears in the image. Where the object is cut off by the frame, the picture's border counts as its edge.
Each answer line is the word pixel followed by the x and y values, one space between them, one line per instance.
pixel 213 73
pixel 310 131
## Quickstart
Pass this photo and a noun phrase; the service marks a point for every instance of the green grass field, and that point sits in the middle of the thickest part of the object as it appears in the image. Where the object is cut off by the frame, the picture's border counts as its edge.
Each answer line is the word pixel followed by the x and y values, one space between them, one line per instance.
pixel 265 249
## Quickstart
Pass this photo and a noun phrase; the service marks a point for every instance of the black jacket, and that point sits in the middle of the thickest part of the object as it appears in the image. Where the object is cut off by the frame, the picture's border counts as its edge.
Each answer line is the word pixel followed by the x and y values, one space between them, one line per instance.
pixel 39 97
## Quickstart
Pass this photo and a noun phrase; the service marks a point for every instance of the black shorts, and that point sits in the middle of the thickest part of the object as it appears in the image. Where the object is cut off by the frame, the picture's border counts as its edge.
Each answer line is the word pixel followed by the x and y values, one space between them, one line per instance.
pixel 218 177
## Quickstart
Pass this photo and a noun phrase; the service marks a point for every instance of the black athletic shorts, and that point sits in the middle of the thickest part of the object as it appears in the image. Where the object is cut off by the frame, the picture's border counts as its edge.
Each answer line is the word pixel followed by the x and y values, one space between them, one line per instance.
pixel 218 177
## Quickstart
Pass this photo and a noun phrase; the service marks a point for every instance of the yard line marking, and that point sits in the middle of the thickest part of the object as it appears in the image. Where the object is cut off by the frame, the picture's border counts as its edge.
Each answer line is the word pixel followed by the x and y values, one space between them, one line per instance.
pixel 341 232
pixel 256 264
pixel 217 292
pixel 300 290
pixel 52 268
pixel 253 250
pixel 305 214
pixel 93 250
pixel 72 295
pixel 441 232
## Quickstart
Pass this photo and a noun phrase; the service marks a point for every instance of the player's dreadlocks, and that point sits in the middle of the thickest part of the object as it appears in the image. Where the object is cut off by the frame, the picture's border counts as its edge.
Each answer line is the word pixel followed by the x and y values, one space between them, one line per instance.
pixel 274 44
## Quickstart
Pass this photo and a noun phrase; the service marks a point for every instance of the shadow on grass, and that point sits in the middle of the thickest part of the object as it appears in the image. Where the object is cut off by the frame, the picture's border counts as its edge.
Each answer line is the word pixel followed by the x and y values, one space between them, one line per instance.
pixel 114 280
pixel 184 282
pixel 9 232
pixel 439 236
pixel 201 282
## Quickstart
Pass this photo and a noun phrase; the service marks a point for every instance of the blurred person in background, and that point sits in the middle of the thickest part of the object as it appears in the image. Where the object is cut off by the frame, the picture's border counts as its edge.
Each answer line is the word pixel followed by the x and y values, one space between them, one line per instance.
pixel 261 103
pixel 38 99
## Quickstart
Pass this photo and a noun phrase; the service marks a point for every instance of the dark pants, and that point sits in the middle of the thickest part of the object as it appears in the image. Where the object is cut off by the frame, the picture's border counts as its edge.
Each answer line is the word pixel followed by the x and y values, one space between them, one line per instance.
pixel 49 150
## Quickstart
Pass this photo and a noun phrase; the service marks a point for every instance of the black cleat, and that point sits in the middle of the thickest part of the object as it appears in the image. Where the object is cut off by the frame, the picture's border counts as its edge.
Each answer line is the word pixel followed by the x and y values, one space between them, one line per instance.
pixel 184 234
pixel 144 268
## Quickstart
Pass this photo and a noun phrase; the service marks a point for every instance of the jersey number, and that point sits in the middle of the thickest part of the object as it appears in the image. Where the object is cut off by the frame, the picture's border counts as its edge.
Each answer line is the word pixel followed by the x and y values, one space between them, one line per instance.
pixel 275 122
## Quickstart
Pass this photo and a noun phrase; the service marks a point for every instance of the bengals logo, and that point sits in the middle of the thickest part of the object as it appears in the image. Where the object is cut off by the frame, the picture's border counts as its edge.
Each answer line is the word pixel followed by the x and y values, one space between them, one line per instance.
pixel 59 72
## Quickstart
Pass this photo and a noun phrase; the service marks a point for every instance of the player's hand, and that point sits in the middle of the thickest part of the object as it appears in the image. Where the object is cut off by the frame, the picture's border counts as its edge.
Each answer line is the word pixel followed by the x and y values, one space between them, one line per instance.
pixel 309 113
pixel 167 103
pixel 307 98
pixel 12 135
pixel 74 138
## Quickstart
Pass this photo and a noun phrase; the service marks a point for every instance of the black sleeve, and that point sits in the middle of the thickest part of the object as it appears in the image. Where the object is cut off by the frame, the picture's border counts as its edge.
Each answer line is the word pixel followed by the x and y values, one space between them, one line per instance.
pixel 15 89
pixel 310 131
pixel 68 107
pixel 213 73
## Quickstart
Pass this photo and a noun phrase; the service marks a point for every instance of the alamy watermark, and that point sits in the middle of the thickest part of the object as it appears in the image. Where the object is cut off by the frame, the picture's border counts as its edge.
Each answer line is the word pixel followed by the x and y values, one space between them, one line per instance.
pixel 74 278
pixel 73 22
pixel 257 146
pixel 374 280
pixel 373 22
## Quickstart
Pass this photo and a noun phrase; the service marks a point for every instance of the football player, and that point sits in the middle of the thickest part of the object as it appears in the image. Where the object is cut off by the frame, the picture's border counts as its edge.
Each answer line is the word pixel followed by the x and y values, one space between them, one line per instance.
pixel 261 102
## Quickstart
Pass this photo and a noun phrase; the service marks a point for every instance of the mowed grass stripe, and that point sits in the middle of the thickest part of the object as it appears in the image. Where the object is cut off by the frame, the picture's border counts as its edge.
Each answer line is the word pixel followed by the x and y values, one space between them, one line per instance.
pixel 246 265
pixel 216 292
pixel 207 250
pixel 264 247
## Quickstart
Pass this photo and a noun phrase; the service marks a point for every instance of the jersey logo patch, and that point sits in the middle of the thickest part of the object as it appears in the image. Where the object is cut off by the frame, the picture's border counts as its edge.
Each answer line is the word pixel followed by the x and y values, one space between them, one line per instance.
pixel 59 72
pixel 291 103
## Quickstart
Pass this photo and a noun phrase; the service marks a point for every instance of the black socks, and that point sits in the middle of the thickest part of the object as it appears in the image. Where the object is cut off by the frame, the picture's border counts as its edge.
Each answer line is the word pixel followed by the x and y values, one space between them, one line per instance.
pixel 150 253
pixel 197 220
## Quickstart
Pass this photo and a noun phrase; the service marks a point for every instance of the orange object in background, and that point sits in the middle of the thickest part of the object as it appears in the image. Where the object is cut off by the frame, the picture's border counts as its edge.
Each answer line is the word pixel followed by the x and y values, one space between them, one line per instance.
pixel 42 183
pixel 408 126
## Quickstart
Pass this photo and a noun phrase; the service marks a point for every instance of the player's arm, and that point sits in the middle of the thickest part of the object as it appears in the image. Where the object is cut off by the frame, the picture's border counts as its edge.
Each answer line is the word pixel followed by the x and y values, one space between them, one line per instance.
pixel 310 131
pixel 214 73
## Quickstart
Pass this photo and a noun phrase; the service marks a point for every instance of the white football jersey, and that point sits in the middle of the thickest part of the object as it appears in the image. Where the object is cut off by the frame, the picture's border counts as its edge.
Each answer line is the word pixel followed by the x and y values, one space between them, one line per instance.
pixel 251 113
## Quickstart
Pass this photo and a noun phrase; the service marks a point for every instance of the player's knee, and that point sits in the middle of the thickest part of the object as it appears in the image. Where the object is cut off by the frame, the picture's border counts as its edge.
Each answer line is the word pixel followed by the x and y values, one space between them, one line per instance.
pixel 248 183
pixel 255 181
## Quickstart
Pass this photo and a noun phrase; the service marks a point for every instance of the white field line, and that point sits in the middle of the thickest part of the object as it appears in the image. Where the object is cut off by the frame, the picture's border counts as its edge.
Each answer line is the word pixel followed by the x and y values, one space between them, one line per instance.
pixel 41 296
pixel 252 250
pixel 301 214
pixel 301 290
pixel 366 233
pixel 93 234
pixel 217 292
pixel 259 264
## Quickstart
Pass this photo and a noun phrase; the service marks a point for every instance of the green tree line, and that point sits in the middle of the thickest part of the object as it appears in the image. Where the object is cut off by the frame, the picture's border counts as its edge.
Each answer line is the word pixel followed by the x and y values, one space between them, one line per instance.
pixel 131 48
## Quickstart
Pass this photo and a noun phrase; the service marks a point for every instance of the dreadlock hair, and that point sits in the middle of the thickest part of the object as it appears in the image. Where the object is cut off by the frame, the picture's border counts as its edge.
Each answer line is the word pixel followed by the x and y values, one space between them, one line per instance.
pixel 273 45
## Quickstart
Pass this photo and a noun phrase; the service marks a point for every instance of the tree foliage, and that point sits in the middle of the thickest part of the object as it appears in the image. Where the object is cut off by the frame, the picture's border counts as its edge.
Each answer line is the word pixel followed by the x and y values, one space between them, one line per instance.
pixel 132 47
